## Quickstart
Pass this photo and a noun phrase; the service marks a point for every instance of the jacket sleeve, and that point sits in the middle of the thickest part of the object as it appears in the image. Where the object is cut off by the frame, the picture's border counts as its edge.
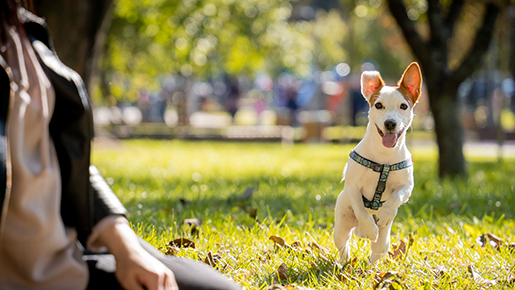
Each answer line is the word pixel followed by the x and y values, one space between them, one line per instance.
pixel 105 201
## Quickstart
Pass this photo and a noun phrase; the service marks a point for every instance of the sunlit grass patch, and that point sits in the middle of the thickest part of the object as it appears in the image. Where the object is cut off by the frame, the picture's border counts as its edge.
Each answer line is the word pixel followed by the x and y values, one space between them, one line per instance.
pixel 245 193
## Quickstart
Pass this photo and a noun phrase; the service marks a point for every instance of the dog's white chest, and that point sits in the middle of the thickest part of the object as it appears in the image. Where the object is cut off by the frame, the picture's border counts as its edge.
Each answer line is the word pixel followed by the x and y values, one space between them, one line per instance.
pixel 366 180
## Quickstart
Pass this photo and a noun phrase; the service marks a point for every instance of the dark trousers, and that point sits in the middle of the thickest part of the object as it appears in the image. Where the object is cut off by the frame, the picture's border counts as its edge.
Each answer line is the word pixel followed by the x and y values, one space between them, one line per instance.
pixel 189 274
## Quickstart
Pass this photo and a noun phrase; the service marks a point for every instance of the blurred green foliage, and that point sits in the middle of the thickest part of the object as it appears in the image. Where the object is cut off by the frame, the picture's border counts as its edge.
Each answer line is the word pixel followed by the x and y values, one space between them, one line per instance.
pixel 208 39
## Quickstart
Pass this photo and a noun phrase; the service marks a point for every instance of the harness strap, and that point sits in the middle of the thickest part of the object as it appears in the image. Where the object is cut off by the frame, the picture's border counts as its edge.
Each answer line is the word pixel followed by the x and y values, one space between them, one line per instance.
pixel 384 170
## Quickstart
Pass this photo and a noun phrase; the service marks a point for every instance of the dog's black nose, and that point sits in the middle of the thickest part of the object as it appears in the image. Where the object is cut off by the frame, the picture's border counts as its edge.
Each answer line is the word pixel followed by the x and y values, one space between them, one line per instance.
pixel 390 124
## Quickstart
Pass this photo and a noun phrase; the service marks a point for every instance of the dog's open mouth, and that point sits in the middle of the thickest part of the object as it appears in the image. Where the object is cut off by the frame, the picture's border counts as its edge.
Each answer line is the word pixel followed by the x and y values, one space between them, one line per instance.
pixel 389 137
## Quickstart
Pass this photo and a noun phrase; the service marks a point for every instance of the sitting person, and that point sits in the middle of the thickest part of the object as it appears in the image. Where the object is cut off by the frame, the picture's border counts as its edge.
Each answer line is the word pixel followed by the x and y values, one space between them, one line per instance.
pixel 55 206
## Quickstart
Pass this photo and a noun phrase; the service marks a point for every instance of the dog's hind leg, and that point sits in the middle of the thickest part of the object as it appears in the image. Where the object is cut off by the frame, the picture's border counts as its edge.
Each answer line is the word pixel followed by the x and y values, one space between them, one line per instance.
pixel 381 246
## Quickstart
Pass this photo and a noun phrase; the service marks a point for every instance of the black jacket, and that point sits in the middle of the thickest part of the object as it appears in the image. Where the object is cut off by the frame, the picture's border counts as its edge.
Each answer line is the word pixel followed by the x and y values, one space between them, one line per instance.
pixel 86 198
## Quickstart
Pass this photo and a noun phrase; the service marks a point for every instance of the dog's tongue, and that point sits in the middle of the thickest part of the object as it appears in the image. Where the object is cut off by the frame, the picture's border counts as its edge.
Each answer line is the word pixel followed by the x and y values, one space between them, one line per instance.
pixel 389 139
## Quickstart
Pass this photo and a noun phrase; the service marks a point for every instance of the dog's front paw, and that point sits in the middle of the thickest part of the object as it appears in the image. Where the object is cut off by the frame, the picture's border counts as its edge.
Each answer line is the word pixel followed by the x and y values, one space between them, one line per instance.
pixel 385 216
pixel 344 255
pixel 369 231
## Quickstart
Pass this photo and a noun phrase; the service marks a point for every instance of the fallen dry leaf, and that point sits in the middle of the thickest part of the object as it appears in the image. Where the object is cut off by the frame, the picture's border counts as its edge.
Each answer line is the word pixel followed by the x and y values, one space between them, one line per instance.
pixel 498 241
pixel 297 245
pixel 182 243
pixel 169 250
pixel 398 250
pixel 278 240
pixel 490 239
pixel 342 277
pixel 194 223
pixel 309 252
pixel 281 272
pixel 212 260
pixel 386 275
pixel 253 213
pixel 184 201
pixel 481 240
pixel 248 192
pixel 411 240
pixel 382 278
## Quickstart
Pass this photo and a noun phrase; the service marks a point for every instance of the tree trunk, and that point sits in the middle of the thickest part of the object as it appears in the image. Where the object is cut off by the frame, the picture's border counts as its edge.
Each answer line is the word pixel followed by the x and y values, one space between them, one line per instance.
pixel 512 47
pixel 78 29
pixel 442 82
pixel 449 131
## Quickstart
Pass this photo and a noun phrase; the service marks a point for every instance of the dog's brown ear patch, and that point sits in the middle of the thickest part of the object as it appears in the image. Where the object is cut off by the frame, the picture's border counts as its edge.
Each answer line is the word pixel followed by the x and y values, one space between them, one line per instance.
pixel 411 82
pixel 371 84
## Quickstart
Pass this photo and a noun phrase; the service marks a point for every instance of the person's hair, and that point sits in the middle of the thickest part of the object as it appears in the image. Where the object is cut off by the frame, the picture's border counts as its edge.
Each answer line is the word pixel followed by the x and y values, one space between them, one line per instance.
pixel 9 14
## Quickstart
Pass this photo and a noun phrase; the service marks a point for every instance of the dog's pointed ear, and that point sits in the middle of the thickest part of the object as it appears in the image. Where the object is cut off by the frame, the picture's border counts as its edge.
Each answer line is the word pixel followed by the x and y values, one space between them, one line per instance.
pixel 371 84
pixel 411 81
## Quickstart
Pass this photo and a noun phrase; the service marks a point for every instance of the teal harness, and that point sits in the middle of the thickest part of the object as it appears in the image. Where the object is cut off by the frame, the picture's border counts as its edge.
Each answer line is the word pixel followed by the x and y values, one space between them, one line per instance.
pixel 384 170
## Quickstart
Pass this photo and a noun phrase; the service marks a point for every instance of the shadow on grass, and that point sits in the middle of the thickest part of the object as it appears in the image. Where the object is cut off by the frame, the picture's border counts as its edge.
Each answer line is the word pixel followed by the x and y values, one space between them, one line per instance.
pixel 489 190
pixel 309 202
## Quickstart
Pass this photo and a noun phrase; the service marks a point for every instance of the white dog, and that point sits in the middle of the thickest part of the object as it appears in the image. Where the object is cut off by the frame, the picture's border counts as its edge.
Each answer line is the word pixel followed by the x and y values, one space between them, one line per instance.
pixel 379 173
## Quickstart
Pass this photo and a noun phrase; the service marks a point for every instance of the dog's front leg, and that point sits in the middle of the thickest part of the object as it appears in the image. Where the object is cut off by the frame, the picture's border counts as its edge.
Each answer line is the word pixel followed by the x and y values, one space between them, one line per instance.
pixel 367 226
pixel 381 246
pixel 344 222
pixel 388 211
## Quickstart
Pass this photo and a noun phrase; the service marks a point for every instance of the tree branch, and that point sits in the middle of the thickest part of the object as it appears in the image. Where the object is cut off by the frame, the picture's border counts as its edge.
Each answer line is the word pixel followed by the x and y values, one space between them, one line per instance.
pixel 453 14
pixel 418 46
pixel 480 46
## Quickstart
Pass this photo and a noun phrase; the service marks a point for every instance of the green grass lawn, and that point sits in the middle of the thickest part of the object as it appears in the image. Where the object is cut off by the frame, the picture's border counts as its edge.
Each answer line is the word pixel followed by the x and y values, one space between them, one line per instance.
pixel 163 183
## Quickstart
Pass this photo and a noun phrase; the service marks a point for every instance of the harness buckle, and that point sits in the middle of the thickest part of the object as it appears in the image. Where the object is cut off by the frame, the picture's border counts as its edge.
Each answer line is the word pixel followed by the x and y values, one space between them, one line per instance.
pixel 381 185
pixel 377 167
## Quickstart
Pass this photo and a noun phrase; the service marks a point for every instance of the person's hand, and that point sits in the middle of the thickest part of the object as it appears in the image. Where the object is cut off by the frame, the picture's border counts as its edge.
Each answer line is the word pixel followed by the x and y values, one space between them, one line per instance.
pixel 139 270
pixel 136 269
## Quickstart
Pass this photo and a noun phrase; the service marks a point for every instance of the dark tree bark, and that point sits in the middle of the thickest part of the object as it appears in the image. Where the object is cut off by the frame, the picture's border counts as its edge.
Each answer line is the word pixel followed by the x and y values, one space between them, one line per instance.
pixel 511 11
pixel 78 29
pixel 442 82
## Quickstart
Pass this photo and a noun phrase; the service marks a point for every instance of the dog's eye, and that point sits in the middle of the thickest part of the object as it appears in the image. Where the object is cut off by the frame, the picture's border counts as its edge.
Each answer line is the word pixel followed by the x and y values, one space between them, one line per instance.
pixel 379 106
pixel 404 106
